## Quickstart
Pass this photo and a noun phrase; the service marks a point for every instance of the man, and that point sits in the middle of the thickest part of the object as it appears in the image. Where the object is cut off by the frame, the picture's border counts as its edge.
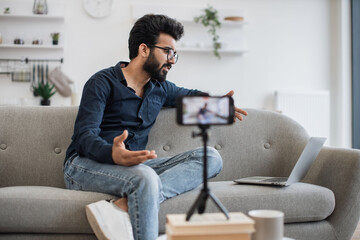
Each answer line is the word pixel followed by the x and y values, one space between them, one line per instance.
pixel 119 106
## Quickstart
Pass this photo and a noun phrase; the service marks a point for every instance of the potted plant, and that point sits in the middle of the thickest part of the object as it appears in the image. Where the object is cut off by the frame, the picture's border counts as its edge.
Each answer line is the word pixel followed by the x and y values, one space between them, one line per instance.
pixel 210 19
pixel 7 10
pixel 55 38
pixel 45 91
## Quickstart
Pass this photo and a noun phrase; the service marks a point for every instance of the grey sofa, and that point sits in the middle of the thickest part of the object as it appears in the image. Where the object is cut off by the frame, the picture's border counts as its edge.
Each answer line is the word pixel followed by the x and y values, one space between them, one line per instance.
pixel 34 203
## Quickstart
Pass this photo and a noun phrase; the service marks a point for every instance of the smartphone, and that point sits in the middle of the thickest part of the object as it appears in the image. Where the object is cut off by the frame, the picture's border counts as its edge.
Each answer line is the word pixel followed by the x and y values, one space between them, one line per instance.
pixel 201 110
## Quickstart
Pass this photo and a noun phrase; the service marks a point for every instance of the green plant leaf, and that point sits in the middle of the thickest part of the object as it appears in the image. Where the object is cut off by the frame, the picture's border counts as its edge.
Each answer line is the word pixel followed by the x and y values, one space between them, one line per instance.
pixel 210 19
pixel 45 91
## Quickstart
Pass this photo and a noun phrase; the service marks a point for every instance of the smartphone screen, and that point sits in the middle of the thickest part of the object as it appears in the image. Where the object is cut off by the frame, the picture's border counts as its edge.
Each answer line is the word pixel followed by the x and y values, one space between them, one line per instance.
pixel 200 110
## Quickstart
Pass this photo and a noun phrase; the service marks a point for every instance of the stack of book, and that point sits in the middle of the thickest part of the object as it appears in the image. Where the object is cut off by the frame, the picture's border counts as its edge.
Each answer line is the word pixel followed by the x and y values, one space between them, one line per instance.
pixel 209 226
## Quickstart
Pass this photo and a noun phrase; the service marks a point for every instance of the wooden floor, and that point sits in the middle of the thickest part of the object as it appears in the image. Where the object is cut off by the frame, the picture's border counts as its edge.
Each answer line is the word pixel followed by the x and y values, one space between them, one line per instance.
pixel 357 233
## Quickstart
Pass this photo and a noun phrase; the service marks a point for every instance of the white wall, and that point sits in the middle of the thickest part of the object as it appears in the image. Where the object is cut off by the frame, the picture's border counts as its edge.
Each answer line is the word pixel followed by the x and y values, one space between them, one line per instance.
pixel 293 45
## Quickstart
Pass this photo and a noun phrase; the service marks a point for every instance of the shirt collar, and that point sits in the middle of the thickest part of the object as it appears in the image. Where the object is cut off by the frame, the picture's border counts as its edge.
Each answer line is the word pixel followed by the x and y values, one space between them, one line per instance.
pixel 121 76
pixel 119 73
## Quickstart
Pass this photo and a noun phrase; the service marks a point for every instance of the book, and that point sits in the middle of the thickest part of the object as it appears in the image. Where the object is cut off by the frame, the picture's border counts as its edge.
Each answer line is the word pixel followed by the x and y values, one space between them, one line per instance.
pixel 208 224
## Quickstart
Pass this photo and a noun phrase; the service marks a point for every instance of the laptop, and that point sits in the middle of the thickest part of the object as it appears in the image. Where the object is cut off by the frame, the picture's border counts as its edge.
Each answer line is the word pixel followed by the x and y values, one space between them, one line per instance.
pixel 302 166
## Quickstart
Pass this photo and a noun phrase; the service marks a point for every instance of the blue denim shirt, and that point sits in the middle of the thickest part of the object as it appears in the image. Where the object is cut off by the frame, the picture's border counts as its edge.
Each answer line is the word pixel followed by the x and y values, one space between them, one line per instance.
pixel 108 107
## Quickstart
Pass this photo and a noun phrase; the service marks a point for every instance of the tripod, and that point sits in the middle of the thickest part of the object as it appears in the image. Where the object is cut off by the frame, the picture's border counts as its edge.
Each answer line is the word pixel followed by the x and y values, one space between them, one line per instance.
pixel 205 193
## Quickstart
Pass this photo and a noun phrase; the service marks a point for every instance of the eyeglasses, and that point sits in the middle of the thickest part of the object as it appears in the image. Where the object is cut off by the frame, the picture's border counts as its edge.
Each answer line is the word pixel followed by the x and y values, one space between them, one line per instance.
pixel 171 54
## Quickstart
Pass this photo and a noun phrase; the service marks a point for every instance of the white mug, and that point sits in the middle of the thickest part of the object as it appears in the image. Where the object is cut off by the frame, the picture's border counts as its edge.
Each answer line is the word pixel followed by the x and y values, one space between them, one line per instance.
pixel 269 224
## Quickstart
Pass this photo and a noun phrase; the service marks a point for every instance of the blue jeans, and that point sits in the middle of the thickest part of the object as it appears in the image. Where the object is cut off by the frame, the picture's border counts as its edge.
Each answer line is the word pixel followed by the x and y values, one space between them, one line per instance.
pixel 145 185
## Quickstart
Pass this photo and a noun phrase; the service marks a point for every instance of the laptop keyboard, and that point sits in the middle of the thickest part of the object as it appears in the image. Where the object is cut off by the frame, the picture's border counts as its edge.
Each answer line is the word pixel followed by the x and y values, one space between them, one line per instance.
pixel 275 179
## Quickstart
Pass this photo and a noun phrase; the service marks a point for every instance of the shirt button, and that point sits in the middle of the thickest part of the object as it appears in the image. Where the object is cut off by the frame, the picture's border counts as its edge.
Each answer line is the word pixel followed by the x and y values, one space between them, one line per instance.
pixel 140 117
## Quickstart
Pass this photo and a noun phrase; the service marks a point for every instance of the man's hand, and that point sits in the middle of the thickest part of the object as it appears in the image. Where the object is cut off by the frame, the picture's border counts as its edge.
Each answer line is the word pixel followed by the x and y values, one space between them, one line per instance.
pixel 122 156
pixel 238 111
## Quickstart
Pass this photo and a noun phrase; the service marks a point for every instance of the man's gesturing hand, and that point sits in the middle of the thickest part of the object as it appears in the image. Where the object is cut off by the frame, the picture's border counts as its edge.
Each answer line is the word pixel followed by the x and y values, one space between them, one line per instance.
pixel 238 112
pixel 122 156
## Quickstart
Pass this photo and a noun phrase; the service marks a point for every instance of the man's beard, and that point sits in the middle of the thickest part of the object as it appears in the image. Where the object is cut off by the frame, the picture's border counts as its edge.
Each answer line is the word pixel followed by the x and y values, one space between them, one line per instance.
pixel 151 66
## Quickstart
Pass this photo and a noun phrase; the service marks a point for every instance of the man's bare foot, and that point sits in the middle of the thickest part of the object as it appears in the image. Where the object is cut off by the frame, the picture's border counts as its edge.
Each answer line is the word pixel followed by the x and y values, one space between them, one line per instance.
pixel 122 203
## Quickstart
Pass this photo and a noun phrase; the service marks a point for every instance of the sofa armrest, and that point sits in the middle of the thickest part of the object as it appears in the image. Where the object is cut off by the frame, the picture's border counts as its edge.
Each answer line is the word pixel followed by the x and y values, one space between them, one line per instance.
pixel 339 170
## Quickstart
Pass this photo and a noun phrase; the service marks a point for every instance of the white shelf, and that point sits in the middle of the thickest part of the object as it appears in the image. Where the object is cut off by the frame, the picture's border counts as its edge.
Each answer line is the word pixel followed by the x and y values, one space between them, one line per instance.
pixel 223 23
pixel 28 46
pixel 31 16
pixel 205 50
pixel 197 39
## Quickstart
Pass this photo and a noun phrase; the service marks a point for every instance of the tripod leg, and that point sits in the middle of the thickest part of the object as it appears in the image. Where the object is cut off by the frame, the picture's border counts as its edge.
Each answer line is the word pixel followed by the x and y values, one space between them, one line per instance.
pixel 219 205
pixel 198 204
pixel 202 203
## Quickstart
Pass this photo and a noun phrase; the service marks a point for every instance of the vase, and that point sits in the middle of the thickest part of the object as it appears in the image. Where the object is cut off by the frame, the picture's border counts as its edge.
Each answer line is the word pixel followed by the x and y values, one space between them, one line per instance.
pixel 45 102
pixel 40 7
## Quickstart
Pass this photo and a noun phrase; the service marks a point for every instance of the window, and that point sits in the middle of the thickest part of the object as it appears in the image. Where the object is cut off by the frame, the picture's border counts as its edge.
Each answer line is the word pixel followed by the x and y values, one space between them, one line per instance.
pixel 355 39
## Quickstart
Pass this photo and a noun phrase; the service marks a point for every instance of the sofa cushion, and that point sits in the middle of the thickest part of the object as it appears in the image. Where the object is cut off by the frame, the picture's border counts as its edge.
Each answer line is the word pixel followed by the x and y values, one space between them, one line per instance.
pixel 52 210
pixel 36 209
pixel 301 202
pixel 34 142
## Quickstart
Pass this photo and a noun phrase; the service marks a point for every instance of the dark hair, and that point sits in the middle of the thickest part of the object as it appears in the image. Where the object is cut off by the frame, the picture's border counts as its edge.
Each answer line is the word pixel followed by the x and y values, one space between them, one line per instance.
pixel 148 28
